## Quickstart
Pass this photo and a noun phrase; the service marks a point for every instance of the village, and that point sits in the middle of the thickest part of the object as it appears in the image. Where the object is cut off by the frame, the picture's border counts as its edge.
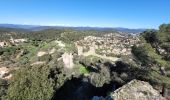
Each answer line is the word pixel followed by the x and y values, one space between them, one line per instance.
pixel 113 44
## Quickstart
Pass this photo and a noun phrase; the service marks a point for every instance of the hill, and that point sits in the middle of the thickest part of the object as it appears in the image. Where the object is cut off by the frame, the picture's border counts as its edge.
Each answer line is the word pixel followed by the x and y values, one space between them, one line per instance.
pixel 38 27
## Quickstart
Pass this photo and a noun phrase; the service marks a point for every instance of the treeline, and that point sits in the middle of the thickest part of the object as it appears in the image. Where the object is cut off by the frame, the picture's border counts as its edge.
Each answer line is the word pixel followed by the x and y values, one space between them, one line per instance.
pixel 66 35
pixel 6 33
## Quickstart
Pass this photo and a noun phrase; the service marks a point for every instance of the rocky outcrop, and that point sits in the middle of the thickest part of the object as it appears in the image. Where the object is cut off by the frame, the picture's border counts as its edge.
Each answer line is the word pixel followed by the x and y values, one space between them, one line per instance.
pixel 5 73
pixel 17 41
pixel 41 53
pixel 136 90
pixel 2 44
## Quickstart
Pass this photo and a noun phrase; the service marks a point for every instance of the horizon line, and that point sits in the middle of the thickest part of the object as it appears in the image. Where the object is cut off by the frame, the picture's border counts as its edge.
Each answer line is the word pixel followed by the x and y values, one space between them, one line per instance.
pixel 67 25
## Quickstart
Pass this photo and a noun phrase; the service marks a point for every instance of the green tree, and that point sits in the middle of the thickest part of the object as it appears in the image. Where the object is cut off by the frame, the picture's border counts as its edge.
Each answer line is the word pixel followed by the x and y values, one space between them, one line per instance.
pixel 150 36
pixel 31 83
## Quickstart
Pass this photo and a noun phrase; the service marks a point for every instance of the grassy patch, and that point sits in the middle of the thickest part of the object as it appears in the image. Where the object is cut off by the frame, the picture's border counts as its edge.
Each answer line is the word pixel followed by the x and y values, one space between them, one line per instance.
pixel 83 69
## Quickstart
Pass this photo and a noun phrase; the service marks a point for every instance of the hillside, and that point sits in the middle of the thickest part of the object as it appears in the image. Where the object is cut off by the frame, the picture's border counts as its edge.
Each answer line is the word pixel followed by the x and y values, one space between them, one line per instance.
pixel 71 64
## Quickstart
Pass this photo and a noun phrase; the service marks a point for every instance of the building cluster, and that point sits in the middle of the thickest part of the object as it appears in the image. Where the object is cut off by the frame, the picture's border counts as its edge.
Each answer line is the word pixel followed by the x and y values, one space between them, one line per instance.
pixel 110 44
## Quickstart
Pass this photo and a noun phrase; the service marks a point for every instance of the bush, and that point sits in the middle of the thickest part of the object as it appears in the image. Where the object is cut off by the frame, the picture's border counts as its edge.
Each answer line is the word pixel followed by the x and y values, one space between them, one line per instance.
pixel 1 51
pixel 101 78
pixel 83 69
pixel 30 83
pixel 3 87
pixel 46 57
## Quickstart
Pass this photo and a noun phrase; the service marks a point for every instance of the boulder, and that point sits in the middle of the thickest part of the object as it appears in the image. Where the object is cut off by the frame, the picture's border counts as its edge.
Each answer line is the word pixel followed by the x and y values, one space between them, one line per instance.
pixel 41 53
pixel 136 90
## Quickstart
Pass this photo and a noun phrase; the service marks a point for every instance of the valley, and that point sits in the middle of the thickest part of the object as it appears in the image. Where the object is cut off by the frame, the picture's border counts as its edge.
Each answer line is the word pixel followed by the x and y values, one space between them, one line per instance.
pixel 70 64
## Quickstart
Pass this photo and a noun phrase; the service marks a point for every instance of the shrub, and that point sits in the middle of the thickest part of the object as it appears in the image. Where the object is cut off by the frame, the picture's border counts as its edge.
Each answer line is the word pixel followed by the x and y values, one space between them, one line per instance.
pixel 3 87
pixel 1 51
pixel 83 69
pixel 30 83
pixel 46 57
pixel 101 78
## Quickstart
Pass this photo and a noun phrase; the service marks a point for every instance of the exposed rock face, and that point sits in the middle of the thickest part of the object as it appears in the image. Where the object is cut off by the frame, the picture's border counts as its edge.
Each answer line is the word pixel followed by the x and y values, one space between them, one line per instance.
pixel 4 73
pixel 2 44
pixel 17 41
pixel 136 90
pixel 20 40
pixel 38 63
pixel 60 43
pixel 41 53
pixel 68 60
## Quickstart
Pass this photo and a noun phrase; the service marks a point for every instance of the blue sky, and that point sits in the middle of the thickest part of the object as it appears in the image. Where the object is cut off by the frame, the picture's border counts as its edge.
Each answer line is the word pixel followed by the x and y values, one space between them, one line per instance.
pixel 100 13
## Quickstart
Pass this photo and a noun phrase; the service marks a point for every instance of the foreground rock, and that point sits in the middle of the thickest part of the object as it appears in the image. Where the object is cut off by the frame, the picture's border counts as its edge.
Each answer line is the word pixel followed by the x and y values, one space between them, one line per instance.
pixel 137 90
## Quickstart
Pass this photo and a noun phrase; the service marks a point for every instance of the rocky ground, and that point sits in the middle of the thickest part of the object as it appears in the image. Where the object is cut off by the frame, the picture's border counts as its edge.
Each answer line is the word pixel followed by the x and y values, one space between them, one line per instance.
pixel 136 90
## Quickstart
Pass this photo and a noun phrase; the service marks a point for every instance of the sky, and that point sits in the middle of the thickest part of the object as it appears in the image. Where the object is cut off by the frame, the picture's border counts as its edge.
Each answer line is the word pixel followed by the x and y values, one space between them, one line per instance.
pixel 94 13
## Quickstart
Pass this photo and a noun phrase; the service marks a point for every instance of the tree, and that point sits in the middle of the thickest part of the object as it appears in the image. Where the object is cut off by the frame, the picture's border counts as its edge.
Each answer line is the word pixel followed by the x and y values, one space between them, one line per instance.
pixel 31 83
pixel 3 87
pixel 164 28
pixel 150 36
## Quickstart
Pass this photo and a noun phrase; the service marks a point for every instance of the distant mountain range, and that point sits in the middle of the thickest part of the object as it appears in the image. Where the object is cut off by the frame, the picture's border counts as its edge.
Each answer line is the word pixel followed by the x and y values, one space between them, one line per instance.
pixel 39 27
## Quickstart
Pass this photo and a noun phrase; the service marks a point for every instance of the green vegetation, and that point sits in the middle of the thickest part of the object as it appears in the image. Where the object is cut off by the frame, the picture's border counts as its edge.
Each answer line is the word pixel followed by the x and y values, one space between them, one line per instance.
pixel 83 69
pixel 89 60
pixel 154 52
pixel 31 83
pixel 3 87
pixel 70 47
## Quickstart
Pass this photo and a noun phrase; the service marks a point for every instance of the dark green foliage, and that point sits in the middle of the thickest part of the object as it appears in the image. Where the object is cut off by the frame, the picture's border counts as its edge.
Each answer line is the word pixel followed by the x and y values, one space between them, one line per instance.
pixel 1 51
pixel 3 87
pixel 102 77
pixel 31 83
pixel 46 57
pixel 44 35
pixel 9 52
pixel 150 36
pixel 164 28
pixel 6 33
pixel 148 53
pixel 141 52
pixel 164 36
pixel 24 60
pixel 35 42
